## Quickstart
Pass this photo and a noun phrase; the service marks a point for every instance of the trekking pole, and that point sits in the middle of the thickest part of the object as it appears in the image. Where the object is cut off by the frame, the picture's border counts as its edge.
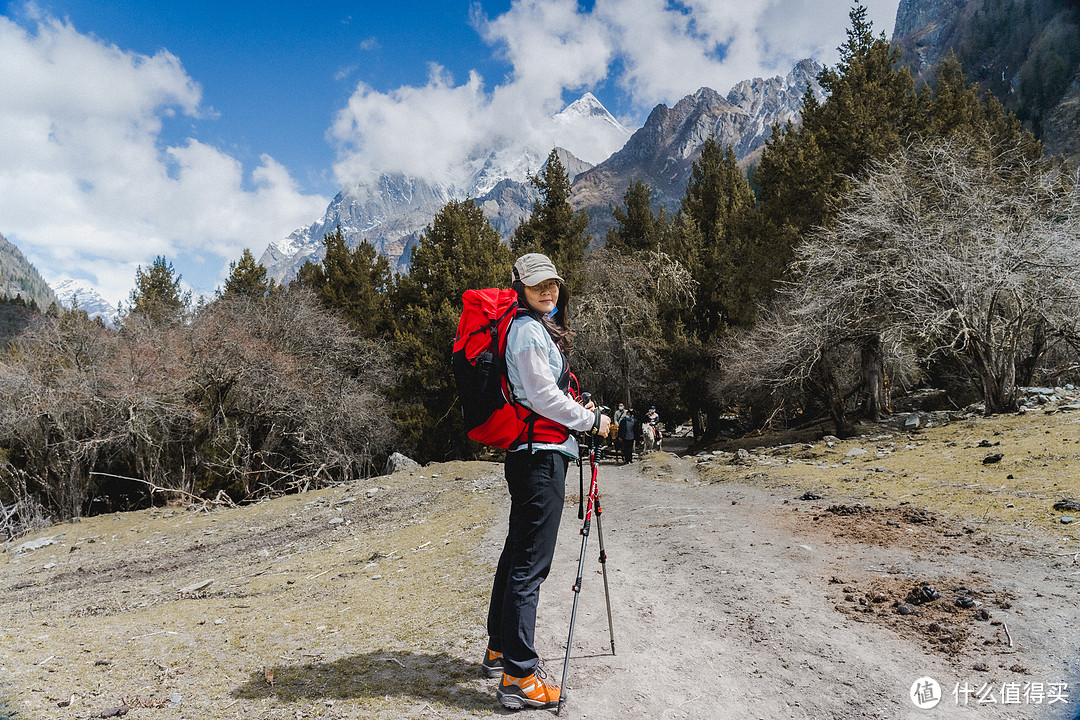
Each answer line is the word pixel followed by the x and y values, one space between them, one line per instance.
pixel 581 487
pixel 595 491
pixel 594 502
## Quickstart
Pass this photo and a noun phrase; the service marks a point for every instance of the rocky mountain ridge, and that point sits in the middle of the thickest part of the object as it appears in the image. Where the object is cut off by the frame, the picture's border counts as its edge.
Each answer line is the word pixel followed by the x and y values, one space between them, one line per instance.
pixel 393 211
pixel 663 151
pixel 18 277
pixel 1025 52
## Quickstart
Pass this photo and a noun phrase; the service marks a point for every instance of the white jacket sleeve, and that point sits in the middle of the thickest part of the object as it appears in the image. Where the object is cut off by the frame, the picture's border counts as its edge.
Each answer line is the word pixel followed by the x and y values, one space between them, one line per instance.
pixel 541 393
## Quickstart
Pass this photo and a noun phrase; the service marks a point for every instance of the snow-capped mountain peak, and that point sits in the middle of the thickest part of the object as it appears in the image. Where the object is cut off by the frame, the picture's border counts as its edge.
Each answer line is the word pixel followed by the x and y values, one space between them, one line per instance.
pixel 72 293
pixel 587 106
pixel 587 129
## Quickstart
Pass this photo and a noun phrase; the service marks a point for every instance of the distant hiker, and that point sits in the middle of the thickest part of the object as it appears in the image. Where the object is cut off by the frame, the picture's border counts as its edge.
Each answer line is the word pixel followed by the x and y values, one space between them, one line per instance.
pixel 614 435
pixel 620 413
pixel 535 471
pixel 628 433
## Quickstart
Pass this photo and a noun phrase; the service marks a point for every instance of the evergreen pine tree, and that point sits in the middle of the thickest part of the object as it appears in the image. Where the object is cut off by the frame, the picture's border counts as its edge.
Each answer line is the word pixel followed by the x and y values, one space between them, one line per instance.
pixel 458 251
pixel 554 228
pixel 355 283
pixel 870 112
pixel 157 297
pixel 953 107
pixel 636 228
pixel 247 278
pixel 718 201
pixel 709 237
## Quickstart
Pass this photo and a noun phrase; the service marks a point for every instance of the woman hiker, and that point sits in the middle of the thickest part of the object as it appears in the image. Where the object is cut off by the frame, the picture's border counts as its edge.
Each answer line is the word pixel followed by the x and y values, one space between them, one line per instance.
pixel 539 376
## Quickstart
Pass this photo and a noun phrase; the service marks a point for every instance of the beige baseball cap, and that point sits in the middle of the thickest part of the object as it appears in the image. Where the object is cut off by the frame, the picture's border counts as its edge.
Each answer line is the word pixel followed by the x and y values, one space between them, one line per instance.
pixel 535 268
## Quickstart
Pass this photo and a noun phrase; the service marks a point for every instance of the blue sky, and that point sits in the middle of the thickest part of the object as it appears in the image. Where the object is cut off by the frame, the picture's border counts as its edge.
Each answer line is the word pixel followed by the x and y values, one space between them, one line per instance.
pixel 273 74
pixel 193 130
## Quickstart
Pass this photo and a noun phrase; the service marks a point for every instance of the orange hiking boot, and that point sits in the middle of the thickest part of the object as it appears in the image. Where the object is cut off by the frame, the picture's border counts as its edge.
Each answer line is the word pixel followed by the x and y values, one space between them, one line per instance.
pixel 492 664
pixel 532 691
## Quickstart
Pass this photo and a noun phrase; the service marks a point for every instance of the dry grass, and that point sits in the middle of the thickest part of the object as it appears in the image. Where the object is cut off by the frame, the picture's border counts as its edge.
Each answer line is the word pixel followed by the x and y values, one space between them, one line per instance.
pixel 940 469
pixel 337 603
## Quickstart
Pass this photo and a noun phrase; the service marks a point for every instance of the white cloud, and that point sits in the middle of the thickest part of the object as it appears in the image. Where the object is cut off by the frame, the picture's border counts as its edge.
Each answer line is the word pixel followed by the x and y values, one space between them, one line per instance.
pixel 551 45
pixel 418 131
pixel 88 186
pixel 654 50
pixel 430 131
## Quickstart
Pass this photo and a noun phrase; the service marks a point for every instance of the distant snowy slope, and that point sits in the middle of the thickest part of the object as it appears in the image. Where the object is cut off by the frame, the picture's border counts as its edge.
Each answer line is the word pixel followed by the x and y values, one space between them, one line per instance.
pixel 392 211
pixel 70 293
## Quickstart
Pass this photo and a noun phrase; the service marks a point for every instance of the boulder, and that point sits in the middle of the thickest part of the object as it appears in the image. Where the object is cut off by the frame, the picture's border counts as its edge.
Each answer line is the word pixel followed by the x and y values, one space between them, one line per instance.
pixel 398 462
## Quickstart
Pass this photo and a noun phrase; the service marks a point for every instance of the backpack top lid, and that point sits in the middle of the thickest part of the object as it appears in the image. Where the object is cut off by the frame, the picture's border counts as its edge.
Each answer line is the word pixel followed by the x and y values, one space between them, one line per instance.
pixel 481 307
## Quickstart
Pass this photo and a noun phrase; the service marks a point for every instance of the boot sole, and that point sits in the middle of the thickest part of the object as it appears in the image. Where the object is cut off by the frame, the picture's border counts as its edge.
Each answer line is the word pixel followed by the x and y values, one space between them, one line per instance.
pixel 516 702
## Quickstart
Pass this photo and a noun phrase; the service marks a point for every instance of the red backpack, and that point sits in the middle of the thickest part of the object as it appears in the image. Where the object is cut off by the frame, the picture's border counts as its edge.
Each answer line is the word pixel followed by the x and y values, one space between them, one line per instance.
pixel 479 365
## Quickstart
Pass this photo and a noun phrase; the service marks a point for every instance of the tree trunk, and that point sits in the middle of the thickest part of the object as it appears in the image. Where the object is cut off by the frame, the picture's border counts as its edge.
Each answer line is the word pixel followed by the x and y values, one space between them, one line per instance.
pixel 874 389
pixel 624 367
pixel 1000 394
pixel 712 420
pixel 1025 369
pixel 699 429
pixel 829 389
pixel 998 379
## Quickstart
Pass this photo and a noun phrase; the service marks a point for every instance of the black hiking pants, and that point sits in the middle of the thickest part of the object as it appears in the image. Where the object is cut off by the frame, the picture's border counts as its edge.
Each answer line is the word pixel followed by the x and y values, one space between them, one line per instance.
pixel 537 483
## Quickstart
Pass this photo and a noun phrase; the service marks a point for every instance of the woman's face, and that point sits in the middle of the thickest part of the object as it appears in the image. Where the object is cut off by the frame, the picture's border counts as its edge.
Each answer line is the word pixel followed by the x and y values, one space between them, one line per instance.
pixel 543 297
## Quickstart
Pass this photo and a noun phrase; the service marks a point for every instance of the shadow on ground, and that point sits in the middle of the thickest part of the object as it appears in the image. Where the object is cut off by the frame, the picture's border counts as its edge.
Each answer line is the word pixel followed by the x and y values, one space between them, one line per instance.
pixel 429 678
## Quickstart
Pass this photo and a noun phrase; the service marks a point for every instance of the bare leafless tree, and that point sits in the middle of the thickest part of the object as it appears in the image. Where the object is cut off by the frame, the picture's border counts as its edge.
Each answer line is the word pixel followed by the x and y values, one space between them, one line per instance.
pixel 249 396
pixel 617 319
pixel 289 396
pixel 54 422
pixel 951 248
pixel 976 253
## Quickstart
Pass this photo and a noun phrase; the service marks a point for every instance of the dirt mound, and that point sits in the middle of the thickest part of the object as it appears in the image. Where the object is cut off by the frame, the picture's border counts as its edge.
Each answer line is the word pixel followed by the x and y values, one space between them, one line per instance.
pixel 884 526
pixel 947 615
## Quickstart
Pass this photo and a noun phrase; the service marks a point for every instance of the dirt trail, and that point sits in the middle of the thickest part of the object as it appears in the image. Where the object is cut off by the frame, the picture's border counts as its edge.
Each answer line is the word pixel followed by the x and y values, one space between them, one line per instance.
pixel 725 601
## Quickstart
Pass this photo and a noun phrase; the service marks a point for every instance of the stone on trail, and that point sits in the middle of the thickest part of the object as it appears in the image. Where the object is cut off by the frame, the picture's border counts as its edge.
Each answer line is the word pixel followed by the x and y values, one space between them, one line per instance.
pixel 30 545
pixel 195 587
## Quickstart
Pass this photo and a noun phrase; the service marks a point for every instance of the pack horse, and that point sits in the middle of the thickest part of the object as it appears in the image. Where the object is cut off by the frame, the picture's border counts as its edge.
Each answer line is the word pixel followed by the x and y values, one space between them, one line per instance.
pixel 652 437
